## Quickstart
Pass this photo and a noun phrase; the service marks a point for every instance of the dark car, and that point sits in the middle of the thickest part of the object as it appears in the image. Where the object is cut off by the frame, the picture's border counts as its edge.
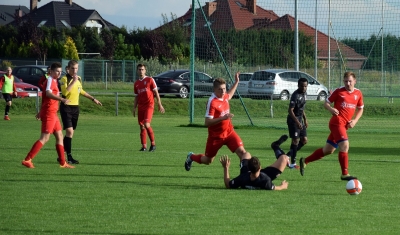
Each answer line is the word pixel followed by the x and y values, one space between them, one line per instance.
pixel 178 82
pixel 30 73
pixel 24 89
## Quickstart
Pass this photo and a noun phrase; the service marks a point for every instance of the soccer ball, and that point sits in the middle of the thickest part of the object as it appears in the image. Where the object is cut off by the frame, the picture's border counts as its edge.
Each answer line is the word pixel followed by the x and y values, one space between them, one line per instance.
pixel 354 187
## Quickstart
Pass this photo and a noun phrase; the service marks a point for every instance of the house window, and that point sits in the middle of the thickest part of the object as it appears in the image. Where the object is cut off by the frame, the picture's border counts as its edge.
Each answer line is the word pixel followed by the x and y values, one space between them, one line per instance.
pixel 188 22
pixel 42 23
pixel 207 24
pixel 240 4
pixel 65 24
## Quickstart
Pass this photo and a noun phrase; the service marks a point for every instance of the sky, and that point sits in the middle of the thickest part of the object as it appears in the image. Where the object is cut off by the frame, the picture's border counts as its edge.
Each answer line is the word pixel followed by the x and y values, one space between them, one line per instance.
pixel 360 20
pixel 130 13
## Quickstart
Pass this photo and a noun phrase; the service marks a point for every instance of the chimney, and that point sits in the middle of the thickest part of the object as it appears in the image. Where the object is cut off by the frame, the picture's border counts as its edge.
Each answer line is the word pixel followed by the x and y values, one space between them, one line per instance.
pixel 252 6
pixel 33 5
pixel 18 12
pixel 69 2
pixel 210 8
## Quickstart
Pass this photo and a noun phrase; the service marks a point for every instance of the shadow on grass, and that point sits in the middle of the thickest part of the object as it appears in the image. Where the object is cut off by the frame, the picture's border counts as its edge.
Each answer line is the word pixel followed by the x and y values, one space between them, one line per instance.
pixel 158 185
pixel 41 231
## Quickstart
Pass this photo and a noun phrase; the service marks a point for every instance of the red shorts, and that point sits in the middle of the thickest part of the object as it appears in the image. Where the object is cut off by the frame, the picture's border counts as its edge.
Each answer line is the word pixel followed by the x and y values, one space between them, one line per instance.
pixel 233 142
pixel 338 133
pixel 50 123
pixel 145 116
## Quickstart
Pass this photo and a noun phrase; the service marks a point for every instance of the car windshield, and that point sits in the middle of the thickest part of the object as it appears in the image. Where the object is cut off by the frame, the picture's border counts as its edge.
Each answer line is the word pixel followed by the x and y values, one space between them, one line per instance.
pixel 263 76
pixel 245 77
pixel 170 74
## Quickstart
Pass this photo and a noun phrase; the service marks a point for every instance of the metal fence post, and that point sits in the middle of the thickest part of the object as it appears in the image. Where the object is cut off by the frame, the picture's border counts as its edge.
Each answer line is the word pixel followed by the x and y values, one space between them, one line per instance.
pixel 37 101
pixel 272 107
pixel 116 103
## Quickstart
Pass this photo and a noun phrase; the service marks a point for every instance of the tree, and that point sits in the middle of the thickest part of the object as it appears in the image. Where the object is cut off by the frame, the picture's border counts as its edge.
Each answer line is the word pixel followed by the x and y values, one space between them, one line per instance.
pixel 124 51
pixel 70 49
pixel 108 50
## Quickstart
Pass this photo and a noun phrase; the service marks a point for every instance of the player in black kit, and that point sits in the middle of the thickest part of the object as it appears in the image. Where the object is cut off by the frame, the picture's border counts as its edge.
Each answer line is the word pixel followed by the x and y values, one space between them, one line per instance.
pixel 297 121
pixel 252 176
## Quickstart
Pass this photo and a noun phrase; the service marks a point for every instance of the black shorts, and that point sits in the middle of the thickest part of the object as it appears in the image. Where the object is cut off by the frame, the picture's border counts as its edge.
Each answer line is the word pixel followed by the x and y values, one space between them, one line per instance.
pixel 272 172
pixel 294 131
pixel 7 97
pixel 69 116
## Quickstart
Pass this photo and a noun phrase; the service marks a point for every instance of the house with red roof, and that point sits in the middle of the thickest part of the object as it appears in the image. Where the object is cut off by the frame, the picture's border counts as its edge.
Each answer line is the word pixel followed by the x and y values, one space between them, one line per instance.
pixel 247 15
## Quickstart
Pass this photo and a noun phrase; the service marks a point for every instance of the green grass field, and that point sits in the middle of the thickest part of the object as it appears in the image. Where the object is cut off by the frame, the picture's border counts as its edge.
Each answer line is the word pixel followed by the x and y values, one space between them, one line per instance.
pixel 118 190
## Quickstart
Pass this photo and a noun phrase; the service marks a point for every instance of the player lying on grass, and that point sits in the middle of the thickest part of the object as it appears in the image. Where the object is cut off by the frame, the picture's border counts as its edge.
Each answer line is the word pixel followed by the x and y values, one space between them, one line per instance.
pixel 252 176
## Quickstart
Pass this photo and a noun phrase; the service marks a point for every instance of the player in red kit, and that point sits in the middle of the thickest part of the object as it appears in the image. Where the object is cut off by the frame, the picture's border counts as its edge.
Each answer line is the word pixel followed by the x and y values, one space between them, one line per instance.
pixel 347 101
pixel 50 122
pixel 220 128
pixel 145 89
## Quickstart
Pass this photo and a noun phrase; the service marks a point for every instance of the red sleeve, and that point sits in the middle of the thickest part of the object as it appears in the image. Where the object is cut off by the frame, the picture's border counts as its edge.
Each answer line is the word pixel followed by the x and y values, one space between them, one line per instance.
pixel 1 82
pixel 153 84
pixel 360 101
pixel 333 96
pixel 41 82
pixel 14 87
pixel 134 88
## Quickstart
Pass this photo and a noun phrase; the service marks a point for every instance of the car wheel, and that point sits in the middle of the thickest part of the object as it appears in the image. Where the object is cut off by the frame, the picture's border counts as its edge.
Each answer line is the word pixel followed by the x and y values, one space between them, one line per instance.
pixel 284 95
pixel 183 92
pixel 321 96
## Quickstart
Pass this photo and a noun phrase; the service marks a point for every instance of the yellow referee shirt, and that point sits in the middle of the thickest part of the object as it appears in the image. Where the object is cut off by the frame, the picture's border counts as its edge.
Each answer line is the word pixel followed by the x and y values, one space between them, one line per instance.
pixel 76 90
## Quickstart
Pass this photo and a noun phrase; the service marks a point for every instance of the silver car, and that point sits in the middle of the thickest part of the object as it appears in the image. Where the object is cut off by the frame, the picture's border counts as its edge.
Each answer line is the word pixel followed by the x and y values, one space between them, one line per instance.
pixel 243 86
pixel 281 83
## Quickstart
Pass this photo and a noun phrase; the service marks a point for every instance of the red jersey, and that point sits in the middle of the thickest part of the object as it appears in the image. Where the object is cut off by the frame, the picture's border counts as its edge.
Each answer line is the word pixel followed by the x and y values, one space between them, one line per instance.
pixel 346 103
pixel 217 107
pixel 50 105
pixel 143 88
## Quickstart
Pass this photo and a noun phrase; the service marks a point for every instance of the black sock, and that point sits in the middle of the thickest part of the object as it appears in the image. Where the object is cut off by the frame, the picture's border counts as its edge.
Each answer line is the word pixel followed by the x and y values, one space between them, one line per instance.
pixel 293 153
pixel 300 145
pixel 67 145
pixel 7 110
pixel 278 152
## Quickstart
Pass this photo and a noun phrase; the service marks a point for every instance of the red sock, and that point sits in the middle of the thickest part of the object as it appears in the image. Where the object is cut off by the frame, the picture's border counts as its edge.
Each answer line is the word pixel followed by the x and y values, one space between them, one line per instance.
pixel 34 150
pixel 196 157
pixel 316 155
pixel 60 153
pixel 143 137
pixel 344 162
pixel 151 135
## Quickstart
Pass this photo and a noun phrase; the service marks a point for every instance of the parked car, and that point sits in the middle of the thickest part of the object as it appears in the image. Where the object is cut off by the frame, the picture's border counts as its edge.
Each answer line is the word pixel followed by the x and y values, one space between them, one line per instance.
pixel 243 86
pixel 30 73
pixel 178 82
pixel 281 83
pixel 24 89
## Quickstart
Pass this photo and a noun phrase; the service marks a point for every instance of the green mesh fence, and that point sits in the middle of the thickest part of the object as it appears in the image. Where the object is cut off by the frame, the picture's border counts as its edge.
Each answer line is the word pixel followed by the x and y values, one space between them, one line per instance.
pixel 286 40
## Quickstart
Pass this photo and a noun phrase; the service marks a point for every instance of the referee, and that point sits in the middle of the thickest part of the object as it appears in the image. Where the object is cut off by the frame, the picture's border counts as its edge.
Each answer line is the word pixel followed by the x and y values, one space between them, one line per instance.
pixel 297 121
pixel 71 88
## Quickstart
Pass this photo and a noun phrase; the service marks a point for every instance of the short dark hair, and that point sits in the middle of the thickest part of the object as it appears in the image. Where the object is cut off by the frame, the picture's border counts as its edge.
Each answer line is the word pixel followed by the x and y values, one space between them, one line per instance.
pixel 140 65
pixel 218 81
pixel 301 80
pixel 72 63
pixel 254 164
pixel 55 66
pixel 348 74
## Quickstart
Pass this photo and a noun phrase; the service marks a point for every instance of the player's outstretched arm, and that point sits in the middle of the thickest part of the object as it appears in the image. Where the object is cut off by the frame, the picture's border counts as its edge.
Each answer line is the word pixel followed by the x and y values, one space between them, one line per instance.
pixel 225 162
pixel 232 90
pixel 284 185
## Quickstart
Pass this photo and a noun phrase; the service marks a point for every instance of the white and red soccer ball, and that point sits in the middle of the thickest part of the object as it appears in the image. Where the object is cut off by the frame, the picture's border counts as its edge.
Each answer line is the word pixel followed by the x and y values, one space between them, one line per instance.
pixel 354 187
